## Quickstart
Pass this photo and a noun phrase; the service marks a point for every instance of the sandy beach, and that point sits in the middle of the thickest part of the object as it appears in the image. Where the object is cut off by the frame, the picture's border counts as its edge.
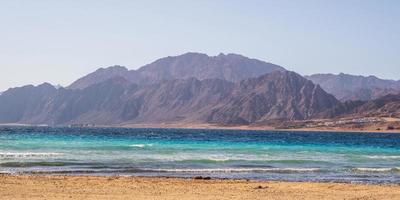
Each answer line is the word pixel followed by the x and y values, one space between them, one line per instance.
pixel 84 187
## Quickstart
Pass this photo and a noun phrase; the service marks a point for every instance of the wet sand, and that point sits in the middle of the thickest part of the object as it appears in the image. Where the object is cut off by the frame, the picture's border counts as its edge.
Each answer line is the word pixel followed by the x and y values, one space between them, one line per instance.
pixel 98 188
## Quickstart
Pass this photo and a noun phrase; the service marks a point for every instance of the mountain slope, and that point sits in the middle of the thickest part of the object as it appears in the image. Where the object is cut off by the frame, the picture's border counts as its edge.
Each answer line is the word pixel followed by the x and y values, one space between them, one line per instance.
pixel 349 87
pixel 98 76
pixel 275 96
pixel 23 103
pixel 230 67
pixel 386 106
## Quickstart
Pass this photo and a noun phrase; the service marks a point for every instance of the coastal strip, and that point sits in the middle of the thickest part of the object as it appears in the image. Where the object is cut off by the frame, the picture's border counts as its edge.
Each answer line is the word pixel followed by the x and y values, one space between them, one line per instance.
pixel 90 187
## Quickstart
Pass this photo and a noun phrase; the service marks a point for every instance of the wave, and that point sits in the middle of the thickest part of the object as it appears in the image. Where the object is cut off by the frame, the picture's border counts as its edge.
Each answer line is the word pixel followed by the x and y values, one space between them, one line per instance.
pixel 64 172
pixel 141 145
pixel 28 154
pixel 376 170
pixel 239 170
pixel 220 159
pixel 207 157
pixel 32 164
pixel 233 159
pixel 207 160
pixel 244 161
pixel 382 157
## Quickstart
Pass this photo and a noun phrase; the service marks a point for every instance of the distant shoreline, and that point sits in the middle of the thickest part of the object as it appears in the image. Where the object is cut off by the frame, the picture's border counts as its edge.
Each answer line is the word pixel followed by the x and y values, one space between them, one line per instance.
pixel 217 127
pixel 257 128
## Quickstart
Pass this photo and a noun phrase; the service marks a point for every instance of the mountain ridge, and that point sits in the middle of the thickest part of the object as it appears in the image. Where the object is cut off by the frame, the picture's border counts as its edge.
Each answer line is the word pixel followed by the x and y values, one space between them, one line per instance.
pixel 118 101
pixel 231 67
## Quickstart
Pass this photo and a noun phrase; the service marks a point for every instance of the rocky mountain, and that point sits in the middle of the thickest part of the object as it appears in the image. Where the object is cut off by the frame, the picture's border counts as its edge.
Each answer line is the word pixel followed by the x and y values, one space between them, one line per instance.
pixel 230 67
pixel 349 87
pixel 274 96
pixel 20 104
pixel 279 95
pixel 386 106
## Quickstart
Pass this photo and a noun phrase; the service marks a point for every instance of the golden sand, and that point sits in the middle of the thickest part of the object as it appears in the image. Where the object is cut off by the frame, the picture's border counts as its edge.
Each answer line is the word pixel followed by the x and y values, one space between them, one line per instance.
pixel 98 188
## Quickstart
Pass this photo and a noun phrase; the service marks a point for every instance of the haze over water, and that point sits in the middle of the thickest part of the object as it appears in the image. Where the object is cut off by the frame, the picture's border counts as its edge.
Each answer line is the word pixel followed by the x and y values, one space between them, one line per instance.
pixel 266 155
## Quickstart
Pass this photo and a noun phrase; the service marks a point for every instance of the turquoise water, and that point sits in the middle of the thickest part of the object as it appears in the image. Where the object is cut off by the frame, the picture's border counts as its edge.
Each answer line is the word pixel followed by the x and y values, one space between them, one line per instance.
pixel 267 155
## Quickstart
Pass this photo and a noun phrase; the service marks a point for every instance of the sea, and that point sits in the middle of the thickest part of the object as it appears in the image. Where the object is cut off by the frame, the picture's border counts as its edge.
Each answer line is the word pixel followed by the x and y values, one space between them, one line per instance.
pixel 362 157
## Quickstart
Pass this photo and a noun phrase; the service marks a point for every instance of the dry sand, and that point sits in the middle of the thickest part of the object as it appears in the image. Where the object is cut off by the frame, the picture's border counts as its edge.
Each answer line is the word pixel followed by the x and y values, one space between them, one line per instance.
pixel 98 188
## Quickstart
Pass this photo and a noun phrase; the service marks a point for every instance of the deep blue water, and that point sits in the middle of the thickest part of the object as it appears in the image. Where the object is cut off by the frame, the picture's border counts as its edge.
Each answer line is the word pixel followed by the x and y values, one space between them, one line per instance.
pixel 267 155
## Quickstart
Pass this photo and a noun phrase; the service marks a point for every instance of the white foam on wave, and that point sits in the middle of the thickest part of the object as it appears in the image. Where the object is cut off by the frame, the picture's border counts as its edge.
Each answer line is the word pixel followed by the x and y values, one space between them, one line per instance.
pixel 219 159
pixel 383 157
pixel 205 156
pixel 27 154
pixel 370 169
pixel 232 170
pixel 141 145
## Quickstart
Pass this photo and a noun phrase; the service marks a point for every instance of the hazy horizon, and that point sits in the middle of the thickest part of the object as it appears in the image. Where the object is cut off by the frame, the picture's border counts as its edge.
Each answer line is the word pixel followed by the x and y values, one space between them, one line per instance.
pixel 59 42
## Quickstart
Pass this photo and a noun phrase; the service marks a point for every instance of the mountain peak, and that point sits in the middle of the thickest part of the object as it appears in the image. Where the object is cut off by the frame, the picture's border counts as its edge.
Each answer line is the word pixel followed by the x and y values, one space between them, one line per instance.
pixel 221 55
pixel 191 54
pixel 99 75
pixel 113 68
pixel 46 85
pixel 231 56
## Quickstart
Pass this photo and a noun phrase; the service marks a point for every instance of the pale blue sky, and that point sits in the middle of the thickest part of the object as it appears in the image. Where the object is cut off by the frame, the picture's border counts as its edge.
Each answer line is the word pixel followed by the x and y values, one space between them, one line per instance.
pixel 60 41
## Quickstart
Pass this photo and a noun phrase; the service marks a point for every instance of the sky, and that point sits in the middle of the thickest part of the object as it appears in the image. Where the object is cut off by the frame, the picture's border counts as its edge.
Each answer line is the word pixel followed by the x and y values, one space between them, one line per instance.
pixel 60 41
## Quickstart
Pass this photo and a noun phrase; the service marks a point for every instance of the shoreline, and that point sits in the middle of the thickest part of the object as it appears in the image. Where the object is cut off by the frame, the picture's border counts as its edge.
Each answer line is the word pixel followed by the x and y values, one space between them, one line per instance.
pixel 199 178
pixel 216 127
pixel 250 128
pixel 120 187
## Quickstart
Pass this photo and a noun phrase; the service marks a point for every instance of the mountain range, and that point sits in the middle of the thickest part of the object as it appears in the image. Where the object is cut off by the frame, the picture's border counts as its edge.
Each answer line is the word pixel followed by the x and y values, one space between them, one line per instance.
pixel 349 87
pixel 194 88
pixel 279 95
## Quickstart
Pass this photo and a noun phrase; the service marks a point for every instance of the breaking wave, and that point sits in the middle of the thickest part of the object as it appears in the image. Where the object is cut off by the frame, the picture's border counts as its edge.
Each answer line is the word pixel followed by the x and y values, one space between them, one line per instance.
pixel 141 145
pixel 376 170
pixel 238 170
